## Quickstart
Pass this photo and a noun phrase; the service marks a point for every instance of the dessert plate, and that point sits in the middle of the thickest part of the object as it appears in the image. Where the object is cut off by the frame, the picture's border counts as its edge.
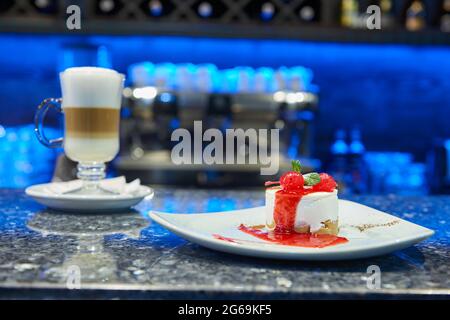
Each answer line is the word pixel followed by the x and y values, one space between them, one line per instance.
pixel 370 233
pixel 86 202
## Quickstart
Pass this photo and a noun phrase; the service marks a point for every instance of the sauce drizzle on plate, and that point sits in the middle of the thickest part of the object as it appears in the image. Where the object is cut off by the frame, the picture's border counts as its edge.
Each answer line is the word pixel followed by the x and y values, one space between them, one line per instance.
pixel 306 240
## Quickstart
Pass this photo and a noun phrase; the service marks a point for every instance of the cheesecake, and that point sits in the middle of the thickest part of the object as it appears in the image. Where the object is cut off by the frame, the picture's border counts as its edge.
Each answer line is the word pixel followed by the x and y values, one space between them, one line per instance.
pixel 315 212
pixel 302 204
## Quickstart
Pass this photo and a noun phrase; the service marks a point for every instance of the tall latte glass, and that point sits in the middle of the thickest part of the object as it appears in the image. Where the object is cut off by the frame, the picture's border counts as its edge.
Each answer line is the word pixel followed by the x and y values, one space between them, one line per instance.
pixel 91 99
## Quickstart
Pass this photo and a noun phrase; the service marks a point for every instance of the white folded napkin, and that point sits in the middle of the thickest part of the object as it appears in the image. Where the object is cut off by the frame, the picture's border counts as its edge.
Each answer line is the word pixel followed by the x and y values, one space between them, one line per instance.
pixel 119 185
pixel 65 187
pixel 114 185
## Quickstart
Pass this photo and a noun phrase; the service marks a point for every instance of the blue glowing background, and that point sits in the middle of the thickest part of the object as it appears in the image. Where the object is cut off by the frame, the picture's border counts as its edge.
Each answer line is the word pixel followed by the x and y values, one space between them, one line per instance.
pixel 398 95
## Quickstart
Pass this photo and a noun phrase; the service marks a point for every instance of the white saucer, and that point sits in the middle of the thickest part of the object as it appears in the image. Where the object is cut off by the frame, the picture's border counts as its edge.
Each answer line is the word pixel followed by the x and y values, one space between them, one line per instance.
pixel 86 202
pixel 386 237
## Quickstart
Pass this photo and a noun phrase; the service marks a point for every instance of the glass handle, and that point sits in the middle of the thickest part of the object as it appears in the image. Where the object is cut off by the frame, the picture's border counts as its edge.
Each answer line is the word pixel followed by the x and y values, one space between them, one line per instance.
pixel 39 122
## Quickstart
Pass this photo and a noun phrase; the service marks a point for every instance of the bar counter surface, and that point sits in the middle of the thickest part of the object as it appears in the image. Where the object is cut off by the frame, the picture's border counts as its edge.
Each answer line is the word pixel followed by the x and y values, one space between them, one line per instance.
pixel 125 255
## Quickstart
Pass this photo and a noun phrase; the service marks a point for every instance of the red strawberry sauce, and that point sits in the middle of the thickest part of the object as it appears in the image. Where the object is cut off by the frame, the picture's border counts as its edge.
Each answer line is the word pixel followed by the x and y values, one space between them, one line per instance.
pixel 285 210
pixel 306 240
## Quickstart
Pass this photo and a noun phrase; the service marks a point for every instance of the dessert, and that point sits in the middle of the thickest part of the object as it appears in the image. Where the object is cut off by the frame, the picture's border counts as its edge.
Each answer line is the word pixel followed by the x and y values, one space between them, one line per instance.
pixel 302 203
pixel 301 210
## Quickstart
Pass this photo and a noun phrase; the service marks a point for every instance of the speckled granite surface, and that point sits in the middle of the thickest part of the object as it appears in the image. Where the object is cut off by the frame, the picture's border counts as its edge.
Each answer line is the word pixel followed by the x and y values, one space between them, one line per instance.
pixel 125 255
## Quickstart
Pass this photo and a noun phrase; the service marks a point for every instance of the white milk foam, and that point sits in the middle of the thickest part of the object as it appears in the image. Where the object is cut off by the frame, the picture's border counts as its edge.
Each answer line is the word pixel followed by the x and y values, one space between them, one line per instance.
pixel 91 87
pixel 91 150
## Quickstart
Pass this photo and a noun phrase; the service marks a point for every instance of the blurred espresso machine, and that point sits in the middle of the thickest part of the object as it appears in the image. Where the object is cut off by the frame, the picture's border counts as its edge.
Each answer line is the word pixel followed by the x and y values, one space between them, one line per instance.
pixel 160 98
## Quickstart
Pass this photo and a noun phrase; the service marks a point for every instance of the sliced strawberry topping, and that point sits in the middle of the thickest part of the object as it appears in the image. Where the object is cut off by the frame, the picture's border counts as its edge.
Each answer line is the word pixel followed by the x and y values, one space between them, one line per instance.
pixel 292 181
pixel 326 184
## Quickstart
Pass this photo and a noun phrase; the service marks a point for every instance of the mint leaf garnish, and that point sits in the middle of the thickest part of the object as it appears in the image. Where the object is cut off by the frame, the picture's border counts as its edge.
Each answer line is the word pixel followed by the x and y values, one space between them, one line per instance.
pixel 296 166
pixel 311 179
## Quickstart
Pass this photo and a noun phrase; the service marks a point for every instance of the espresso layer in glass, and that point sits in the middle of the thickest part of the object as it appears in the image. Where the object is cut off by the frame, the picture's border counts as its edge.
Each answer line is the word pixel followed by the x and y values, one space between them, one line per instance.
pixel 91 123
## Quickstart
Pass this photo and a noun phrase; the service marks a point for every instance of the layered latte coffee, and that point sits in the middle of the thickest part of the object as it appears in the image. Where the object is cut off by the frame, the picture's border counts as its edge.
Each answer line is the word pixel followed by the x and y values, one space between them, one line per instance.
pixel 91 106
pixel 92 134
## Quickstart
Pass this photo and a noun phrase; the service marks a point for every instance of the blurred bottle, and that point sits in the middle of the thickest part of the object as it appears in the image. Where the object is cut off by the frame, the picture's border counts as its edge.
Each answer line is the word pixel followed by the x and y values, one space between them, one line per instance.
pixel 445 19
pixel 267 11
pixel 357 173
pixel 387 15
pixel 339 160
pixel 349 13
pixel 108 7
pixel 155 8
pixel 446 6
pixel 205 9
pixel 309 11
pixel 45 6
pixel 415 16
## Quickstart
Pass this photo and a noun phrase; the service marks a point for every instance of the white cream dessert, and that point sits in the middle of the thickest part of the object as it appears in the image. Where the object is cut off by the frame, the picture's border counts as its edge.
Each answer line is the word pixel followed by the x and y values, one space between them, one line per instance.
pixel 315 212
pixel 302 203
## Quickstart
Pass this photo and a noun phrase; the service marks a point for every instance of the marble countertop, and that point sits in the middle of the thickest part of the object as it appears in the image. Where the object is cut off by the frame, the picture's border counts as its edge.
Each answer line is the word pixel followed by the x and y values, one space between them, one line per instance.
pixel 125 255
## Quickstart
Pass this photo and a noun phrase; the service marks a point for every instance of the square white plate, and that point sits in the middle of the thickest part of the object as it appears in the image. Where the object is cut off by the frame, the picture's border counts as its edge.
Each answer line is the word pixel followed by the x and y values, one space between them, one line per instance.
pixel 373 241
